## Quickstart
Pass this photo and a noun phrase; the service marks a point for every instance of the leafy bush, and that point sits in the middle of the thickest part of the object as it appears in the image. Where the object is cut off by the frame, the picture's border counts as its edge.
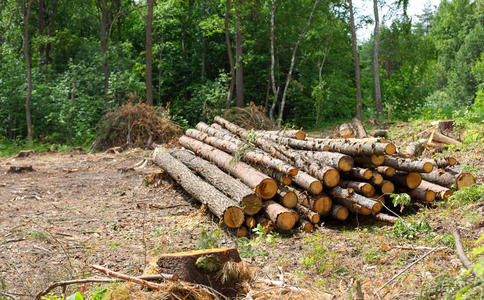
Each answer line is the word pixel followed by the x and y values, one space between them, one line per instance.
pixel 469 194
pixel 410 231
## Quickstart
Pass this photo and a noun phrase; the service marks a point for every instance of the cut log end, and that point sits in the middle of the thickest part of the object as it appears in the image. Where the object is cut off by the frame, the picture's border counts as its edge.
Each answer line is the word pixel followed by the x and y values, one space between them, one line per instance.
pixel 464 179
pixel 413 180
pixel 377 160
pixel 286 180
pixel 429 196
pixel 390 172
pixel 242 232
pixel 367 174
pixel 322 204
pixel 233 217
pixel 250 222
pixel 390 149
pixel 364 211
pixel 446 194
pixel 377 178
pixel 452 161
pixel 368 190
pixel 377 207
pixel 345 164
pixel 267 188
pixel 387 187
pixel 331 178
pixel 300 135
pixel 428 167
pixel 340 212
pixel 292 172
pixel 316 187
pixel 287 220
pixel 289 200
pixel 251 204
pixel 307 226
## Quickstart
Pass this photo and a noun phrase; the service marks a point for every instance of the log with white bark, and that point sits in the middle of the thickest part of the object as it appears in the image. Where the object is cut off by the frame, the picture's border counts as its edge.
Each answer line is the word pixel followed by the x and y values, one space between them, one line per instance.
pixel 286 197
pixel 290 133
pixel 248 153
pixel 445 162
pixel 385 170
pixel 449 179
pixel 236 190
pixel 283 218
pixel 361 173
pixel 363 188
pixel 264 186
pixel 353 207
pixel 377 178
pixel 379 132
pixel 336 160
pixel 339 212
pixel 306 226
pixel 346 131
pixel 308 214
pixel 320 204
pixel 415 149
pixel 340 193
pixel 385 218
pixel 408 165
pixel 369 161
pixel 220 205
pixel 440 138
pixel 359 129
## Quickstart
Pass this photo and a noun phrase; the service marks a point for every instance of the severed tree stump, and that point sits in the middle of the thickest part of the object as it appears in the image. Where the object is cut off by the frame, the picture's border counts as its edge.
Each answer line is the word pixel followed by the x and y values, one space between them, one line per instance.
pixel 20 169
pixel 207 267
pixel 446 126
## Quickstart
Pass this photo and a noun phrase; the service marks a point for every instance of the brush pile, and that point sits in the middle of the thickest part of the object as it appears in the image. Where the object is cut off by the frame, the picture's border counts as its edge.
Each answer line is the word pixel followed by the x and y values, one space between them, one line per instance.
pixel 282 179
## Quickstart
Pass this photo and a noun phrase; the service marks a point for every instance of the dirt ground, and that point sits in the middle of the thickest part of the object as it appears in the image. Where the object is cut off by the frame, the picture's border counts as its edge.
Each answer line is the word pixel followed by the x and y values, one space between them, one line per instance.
pixel 77 209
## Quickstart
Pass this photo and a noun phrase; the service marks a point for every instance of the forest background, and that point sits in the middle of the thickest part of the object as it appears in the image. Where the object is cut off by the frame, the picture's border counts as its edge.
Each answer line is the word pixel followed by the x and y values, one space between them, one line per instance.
pixel 66 63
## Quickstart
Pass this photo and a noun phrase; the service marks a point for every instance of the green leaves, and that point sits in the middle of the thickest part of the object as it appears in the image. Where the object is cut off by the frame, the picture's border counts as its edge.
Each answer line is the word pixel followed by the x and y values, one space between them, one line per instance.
pixel 410 231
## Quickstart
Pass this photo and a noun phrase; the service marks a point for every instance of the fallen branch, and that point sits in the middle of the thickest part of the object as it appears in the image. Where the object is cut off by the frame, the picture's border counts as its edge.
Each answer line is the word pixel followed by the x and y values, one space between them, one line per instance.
pixel 460 249
pixel 406 268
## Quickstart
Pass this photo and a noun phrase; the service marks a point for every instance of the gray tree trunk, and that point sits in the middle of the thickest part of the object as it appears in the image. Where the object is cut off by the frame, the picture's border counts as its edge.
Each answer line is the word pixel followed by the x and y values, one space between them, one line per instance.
pixel 376 70
pixel 359 113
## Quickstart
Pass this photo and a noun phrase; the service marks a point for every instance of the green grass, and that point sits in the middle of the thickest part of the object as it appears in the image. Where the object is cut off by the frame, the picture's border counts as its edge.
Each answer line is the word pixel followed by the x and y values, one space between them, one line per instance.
pixel 8 148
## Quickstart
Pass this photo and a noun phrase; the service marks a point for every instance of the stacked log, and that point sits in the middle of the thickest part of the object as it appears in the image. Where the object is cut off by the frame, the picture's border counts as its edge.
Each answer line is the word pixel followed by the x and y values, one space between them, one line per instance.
pixel 284 180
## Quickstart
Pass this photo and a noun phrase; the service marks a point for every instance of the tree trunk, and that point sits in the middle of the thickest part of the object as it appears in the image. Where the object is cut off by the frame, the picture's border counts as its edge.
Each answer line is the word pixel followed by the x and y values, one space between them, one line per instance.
pixel 41 22
pixel 379 132
pixel 440 138
pixel 204 46
pixel 407 165
pixel 239 69
pixel 104 47
pixel 361 187
pixel 448 179
pixel 336 160
pixel 264 186
pixel 284 218
pixel 441 192
pixel 51 31
pixel 256 157
pixel 359 113
pixel 340 193
pixel 267 224
pixel 446 126
pixel 422 194
pixel 220 205
pixel 346 131
pixel 275 90
pixel 290 133
pixel 376 69
pixel 445 162
pixel 149 56
pixel 202 267
pixel 230 94
pixel 386 218
pixel 308 214
pixel 291 67
pixel 225 183
pixel 26 19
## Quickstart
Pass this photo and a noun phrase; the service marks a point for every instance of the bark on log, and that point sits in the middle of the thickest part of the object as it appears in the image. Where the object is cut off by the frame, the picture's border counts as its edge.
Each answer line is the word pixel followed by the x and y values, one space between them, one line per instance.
pixel 407 165
pixel 290 133
pixel 411 180
pixel 340 193
pixel 385 170
pixel 441 192
pixel 306 226
pixel 283 218
pixel 308 183
pixel 354 207
pixel 220 205
pixel 346 131
pixel 339 212
pixel 201 266
pixel 360 130
pixel 263 185
pixel 256 157
pixel 361 173
pixel 448 179
pixel 422 194
pixel 370 161
pixel 305 212
pixel 386 187
pixel 386 218
pixel 336 160
pixel 379 132
pixel 415 149
pixel 445 162
pixel 280 177
pixel 440 138
pixel 236 190
pixel 360 187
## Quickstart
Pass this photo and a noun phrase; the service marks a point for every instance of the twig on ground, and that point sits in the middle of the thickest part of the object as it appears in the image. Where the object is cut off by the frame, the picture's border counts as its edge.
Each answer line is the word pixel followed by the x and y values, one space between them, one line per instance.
pixel 14 240
pixel 460 249
pixel 406 268
pixel 108 272
pixel 7 295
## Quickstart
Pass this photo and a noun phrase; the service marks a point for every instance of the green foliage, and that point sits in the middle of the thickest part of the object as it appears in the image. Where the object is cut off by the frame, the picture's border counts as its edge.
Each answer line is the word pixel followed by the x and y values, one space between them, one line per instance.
pixel 99 292
pixel 208 240
pixel 403 200
pixel 76 296
pixel 412 230
pixel 319 257
pixel 250 248
pixel 469 194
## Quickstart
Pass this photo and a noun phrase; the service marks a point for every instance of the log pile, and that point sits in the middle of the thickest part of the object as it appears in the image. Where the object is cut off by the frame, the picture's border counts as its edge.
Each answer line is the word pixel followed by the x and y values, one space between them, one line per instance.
pixel 283 179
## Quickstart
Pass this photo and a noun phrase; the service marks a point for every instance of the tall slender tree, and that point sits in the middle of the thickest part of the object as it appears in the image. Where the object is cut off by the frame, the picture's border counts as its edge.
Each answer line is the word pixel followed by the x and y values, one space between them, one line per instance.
pixel 239 64
pixel 359 113
pixel 149 55
pixel 229 54
pixel 376 69
pixel 26 9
